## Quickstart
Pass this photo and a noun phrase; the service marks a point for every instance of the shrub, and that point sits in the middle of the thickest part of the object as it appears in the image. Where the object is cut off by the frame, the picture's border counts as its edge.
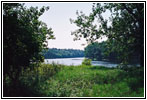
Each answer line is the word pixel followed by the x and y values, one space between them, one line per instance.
pixel 86 61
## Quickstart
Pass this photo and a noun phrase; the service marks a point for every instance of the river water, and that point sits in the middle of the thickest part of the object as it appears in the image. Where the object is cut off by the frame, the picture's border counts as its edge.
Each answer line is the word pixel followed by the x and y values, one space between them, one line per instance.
pixel 78 61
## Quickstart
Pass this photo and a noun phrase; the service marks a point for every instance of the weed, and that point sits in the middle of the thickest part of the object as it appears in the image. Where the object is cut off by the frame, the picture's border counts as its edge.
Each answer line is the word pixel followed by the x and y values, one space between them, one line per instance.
pixel 52 80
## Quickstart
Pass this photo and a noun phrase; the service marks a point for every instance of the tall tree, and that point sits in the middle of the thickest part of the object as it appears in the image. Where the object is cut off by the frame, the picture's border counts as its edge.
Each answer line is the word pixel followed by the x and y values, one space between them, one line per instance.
pixel 124 28
pixel 93 51
pixel 101 51
pixel 24 37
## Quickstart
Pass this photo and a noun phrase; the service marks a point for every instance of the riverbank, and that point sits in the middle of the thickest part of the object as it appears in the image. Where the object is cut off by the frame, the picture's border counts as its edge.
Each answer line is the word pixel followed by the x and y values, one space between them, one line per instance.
pixel 51 80
pixel 78 61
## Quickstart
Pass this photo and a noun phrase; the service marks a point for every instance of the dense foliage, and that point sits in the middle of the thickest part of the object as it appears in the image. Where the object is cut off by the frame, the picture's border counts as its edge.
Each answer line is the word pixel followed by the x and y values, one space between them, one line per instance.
pixel 62 53
pixel 103 51
pixel 99 51
pixel 24 37
pixel 124 27
pixel 80 81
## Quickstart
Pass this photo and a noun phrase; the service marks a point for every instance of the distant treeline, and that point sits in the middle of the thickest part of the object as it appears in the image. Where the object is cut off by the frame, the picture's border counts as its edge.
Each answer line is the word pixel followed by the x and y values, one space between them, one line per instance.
pixel 62 53
pixel 103 51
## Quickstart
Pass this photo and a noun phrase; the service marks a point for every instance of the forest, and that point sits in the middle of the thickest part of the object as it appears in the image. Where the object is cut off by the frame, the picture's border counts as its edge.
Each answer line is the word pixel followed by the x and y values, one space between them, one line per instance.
pixel 62 53
pixel 25 45
pixel 102 52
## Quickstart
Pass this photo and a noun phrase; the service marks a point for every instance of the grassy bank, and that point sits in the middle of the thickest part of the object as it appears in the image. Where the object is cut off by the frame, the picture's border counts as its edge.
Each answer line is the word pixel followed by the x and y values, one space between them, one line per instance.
pixel 81 81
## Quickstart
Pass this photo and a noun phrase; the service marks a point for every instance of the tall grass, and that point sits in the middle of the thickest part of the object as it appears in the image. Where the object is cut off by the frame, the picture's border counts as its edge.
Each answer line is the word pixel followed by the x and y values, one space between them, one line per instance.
pixel 82 81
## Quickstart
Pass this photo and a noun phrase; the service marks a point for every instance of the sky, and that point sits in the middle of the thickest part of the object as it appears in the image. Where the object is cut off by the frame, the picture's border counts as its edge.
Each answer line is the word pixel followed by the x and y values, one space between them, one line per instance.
pixel 58 18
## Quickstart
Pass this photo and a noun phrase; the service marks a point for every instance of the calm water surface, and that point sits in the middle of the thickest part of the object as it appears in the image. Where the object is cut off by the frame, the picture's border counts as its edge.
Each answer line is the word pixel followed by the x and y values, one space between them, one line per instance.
pixel 78 61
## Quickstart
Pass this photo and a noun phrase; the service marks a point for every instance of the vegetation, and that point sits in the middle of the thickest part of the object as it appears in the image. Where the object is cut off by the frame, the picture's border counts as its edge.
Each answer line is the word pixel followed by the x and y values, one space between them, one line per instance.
pixel 103 51
pixel 24 39
pixel 124 28
pixel 80 81
pixel 86 61
pixel 62 53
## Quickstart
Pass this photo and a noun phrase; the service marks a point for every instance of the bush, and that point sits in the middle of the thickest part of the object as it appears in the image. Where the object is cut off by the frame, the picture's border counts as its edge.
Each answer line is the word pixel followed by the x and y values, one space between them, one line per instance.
pixel 31 80
pixel 86 61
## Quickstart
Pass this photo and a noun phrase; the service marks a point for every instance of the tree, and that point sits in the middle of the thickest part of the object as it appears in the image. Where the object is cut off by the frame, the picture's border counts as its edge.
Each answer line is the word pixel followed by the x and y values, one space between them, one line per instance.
pixel 124 28
pixel 93 51
pixel 24 38
pixel 102 51
pixel 62 53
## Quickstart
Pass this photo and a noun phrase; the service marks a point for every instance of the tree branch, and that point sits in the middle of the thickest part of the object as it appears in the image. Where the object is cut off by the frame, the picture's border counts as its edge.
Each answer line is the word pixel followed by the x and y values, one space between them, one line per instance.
pixel 130 11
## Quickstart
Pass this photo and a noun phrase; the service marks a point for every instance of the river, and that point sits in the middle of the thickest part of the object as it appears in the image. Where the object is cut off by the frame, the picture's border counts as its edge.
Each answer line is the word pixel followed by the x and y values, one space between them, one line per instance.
pixel 78 61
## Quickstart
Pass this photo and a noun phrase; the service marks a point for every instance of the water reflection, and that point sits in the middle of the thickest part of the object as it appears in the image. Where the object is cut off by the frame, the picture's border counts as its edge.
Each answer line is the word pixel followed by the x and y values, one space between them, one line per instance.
pixel 104 63
pixel 78 61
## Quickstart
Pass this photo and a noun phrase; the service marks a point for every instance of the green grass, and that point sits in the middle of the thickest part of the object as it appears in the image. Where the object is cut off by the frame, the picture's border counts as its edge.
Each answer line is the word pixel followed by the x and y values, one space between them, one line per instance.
pixel 83 81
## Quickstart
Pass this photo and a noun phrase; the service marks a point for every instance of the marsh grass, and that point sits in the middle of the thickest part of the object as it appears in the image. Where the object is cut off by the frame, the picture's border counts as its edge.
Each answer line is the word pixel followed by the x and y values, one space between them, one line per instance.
pixel 52 80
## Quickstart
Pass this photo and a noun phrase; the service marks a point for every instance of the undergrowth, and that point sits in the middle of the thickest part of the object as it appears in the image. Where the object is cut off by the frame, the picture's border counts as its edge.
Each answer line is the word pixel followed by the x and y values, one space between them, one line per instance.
pixel 81 81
